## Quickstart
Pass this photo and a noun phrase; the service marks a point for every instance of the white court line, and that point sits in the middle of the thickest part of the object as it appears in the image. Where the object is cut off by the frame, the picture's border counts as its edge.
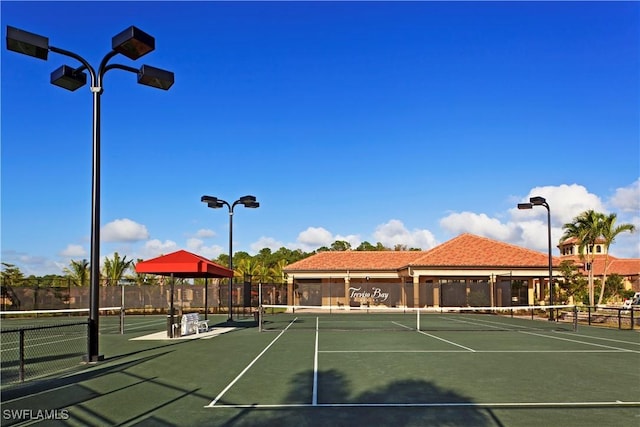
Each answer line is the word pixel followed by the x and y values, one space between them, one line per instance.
pixel 219 396
pixel 581 342
pixel 610 404
pixel 314 399
pixel 438 338
pixel 474 351
pixel 599 338
pixel 447 341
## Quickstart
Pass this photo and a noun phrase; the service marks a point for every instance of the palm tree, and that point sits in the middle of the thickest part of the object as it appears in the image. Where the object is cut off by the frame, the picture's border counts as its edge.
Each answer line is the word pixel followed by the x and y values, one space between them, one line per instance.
pixel 79 272
pixel 586 228
pixel 609 232
pixel 277 271
pixel 115 269
pixel 11 275
pixel 246 267
pixel 140 278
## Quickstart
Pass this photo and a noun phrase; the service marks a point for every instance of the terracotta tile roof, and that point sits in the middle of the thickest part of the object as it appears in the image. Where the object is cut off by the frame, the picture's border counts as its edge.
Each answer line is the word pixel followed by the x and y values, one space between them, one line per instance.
pixel 623 267
pixel 466 250
pixel 469 250
pixel 355 261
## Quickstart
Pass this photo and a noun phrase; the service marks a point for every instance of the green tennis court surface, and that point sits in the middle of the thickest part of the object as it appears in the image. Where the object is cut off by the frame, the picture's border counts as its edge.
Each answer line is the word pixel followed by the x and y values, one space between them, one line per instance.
pixel 310 376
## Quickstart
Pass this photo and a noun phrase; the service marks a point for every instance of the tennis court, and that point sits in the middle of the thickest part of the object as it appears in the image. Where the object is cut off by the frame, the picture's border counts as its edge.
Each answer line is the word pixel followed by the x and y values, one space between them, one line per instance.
pixel 310 369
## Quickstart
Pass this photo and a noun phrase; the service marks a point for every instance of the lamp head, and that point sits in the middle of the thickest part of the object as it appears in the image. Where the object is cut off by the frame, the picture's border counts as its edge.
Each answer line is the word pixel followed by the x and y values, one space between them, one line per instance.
pixel 537 201
pixel 209 199
pixel 68 78
pixel 247 199
pixel 27 43
pixel 155 77
pixel 133 43
pixel 525 206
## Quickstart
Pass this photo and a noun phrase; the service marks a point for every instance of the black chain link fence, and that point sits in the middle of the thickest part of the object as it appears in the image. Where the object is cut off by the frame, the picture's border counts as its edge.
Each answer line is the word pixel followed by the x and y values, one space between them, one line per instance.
pixel 38 351
pixel 142 299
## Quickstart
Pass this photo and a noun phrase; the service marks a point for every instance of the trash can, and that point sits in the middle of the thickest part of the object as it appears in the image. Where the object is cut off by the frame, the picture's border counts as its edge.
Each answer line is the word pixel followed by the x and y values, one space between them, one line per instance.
pixel 173 330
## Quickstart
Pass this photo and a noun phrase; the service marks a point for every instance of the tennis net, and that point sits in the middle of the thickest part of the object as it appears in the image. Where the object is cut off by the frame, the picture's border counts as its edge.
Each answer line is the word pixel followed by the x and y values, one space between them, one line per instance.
pixel 25 319
pixel 279 317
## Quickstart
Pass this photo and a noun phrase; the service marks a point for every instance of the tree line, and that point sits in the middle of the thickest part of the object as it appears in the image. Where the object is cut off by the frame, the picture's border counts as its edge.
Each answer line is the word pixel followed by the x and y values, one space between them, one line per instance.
pixel 266 266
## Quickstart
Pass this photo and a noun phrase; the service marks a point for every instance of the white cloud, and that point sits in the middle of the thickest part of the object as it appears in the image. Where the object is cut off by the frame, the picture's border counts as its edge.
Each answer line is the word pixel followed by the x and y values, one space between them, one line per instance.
pixel 266 242
pixel 73 251
pixel 353 239
pixel 314 237
pixel 124 230
pixel 480 224
pixel 395 233
pixel 198 247
pixel 528 228
pixel 627 199
pixel 32 264
pixel 565 201
pixel 204 233
pixel 154 248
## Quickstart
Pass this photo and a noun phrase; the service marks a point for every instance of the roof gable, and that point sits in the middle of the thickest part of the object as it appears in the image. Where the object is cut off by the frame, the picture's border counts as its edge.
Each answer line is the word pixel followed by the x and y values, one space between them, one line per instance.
pixel 355 261
pixel 183 264
pixel 466 250
pixel 469 250
pixel 621 266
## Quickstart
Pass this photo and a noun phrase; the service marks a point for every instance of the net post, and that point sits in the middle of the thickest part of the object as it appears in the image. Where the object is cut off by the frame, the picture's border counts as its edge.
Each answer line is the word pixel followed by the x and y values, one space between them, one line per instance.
pixel 575 318
pixel 122 320
pixel 260 307
pixel 418 319
pixel 121 305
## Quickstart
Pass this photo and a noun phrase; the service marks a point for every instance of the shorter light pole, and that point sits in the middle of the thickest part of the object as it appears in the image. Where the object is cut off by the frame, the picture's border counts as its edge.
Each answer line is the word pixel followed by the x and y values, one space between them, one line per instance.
pixel 541 201
pixel 215 203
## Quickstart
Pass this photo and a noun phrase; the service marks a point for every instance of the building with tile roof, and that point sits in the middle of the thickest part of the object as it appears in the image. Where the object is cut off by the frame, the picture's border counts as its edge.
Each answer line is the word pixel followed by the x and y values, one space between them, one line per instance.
pixel 602 263
pixel 468 270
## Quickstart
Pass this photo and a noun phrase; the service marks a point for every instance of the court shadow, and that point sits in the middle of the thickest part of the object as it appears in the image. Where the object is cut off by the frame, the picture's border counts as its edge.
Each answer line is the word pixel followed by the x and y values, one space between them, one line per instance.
pixel 71 398
pixel 399 403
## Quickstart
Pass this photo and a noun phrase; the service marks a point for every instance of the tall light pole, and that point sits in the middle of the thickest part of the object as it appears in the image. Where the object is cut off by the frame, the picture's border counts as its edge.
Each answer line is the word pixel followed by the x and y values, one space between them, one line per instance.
pixel 541 201
pixel 132 43
pixel 215 203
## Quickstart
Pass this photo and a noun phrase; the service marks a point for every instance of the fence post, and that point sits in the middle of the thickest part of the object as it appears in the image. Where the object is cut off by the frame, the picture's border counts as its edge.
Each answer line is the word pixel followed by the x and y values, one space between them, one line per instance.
pixel 619 319
pixel 21 357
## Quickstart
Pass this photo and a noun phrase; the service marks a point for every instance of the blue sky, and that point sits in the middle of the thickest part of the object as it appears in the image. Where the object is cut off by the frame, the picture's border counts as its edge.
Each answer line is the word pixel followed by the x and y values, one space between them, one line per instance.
pixel 401 123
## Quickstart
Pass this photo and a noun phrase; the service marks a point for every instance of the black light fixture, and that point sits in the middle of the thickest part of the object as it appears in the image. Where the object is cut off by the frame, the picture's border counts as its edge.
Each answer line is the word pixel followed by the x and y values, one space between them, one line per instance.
pixel 541 201
pixel 538 201
pixel 132 43
pixel 155 77
pixel 68 78
pixel 215 203
pixel 27 43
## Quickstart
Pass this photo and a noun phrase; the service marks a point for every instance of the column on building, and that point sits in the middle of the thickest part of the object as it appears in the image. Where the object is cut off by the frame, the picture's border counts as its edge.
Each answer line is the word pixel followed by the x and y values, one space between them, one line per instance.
pixel 347 284
pixel 290 291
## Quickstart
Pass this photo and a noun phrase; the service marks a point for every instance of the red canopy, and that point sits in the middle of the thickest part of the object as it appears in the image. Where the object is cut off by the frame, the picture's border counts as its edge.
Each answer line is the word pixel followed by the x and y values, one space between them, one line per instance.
pixel 183 264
